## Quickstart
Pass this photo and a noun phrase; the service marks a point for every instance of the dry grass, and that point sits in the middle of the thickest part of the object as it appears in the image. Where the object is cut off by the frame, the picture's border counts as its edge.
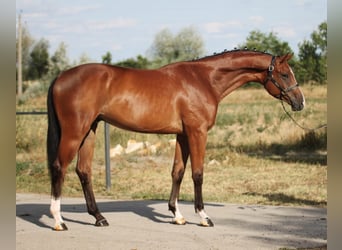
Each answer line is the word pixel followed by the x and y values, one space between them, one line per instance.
pixel 255 155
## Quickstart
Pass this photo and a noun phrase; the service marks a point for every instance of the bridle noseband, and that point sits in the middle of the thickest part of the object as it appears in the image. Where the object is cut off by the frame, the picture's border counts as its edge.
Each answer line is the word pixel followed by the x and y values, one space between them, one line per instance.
pixel 283 92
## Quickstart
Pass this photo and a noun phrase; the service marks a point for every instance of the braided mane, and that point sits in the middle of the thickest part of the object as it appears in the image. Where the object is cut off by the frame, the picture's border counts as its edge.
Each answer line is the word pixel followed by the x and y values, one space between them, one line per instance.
pixel 230 51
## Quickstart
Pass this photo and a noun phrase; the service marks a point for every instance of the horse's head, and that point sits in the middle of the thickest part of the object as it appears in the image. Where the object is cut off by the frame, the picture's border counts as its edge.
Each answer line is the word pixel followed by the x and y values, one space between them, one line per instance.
pixel 281 83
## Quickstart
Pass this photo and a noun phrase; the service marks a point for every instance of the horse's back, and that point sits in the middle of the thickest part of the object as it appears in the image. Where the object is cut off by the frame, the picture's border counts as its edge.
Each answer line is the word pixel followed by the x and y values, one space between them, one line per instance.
pixel 86 76
pixel 140 100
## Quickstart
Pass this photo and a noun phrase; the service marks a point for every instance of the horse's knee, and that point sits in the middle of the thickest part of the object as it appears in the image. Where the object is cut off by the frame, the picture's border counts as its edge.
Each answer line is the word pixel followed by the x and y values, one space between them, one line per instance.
pixel 197 177
pixel 84 176
pixel 55 170
pixel 178 172
pixel 177 176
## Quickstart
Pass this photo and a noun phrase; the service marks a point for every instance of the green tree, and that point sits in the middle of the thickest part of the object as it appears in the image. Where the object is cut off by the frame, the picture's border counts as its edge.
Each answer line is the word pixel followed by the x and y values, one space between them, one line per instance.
pixel 39 60
pixel 319 38
pixel 59 61
pixel 107 58
pixel 168 48
pixel 312 55
pixel 84 58
pixel 188 44
pixel 266 42
pixel 139 63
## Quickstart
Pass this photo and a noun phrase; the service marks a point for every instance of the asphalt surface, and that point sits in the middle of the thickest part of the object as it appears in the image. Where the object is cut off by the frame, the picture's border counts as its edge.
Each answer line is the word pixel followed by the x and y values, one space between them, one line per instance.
pixel 147 225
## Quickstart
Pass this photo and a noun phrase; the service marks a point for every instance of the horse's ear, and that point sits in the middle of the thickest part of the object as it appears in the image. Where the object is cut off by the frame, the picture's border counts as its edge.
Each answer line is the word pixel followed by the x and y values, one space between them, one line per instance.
pixel 286 57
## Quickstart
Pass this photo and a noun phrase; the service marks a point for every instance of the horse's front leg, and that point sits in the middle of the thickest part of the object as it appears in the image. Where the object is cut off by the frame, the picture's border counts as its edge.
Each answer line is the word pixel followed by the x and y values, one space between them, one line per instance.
pixel 83 170
pixel 197 144
pixel 180 160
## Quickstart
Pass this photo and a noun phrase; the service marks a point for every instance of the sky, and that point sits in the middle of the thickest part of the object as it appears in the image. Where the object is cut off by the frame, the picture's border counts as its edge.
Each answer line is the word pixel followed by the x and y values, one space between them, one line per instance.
pixel 126 28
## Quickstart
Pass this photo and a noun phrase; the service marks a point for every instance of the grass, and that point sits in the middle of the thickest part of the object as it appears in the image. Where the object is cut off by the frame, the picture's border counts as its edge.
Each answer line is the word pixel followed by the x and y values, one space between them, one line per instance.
pixel 255 155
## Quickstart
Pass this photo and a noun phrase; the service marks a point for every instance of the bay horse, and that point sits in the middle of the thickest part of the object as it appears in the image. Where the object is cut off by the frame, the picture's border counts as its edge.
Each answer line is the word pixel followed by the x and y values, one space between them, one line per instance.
pixel 180 98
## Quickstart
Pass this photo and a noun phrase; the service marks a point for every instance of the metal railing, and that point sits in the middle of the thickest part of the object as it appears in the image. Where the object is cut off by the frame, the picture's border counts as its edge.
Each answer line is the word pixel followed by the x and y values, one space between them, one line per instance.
pixel 106 137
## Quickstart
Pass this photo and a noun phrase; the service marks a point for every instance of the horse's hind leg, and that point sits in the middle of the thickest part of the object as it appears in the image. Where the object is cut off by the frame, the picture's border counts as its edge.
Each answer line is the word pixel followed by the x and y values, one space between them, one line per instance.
pixel 67 151
pixel 180 160
pixel 83 169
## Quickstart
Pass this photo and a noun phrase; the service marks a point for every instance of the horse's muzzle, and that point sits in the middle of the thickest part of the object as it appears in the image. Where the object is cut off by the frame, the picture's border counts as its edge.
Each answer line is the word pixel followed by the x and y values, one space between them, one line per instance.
pixel 295 100
pixel 297 106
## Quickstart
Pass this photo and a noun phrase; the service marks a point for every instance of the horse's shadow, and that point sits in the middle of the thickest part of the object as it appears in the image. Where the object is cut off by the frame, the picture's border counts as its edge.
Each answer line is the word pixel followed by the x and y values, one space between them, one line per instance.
pixel 34 212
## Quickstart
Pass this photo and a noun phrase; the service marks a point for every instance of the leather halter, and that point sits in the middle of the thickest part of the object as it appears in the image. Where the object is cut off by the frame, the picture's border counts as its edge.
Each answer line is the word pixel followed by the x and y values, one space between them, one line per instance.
pixel 283 91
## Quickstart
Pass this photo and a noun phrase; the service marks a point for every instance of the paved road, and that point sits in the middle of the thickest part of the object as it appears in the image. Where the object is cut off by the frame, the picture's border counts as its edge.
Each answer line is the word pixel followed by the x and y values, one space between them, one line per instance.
pixel 146 225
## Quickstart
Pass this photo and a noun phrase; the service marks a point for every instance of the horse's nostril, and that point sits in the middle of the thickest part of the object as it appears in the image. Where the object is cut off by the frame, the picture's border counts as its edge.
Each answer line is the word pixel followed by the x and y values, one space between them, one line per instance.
pixel 297 107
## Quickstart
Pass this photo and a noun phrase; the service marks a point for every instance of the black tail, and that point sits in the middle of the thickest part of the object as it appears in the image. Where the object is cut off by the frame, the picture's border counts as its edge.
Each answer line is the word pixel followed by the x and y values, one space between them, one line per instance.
pixel 54 133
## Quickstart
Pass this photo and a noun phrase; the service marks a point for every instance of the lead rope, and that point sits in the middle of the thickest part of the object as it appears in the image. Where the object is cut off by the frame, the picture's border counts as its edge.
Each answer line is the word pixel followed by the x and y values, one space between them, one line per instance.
pixel 302 127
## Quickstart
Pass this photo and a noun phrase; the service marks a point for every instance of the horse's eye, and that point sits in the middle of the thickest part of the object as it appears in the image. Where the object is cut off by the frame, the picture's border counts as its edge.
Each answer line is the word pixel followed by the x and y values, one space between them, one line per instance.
pixel 285 76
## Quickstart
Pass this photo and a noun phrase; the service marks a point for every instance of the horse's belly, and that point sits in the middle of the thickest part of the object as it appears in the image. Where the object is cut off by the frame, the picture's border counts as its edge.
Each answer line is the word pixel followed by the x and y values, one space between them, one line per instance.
pixel 157 121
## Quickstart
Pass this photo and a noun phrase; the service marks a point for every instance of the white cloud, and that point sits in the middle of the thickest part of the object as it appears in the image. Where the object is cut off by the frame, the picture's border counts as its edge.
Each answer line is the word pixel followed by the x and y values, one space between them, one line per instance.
pixel 54 39
pixel 225 36
pixel 89 26
pixel 284 31
pixel 28 4
pixel 256 19
pixel 213 27
pixel 112 24
pixel 217 27
pixel 73 10
pixel 73 29
pixel 116 47
pixel 33 15
pixel 51 24
pixel 303 2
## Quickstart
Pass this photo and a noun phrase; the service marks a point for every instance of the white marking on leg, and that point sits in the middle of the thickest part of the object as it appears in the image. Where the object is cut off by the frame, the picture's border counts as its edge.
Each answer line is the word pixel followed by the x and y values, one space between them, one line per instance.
pixel 178 219
pixel 202 214
pixel 205 220
pixel 55 209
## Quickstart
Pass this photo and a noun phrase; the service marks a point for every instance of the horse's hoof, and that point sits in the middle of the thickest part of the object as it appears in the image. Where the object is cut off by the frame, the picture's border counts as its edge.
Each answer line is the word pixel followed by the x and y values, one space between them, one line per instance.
pixel 207 223
pixel 179 221
pixel 61 227
pixel 101 223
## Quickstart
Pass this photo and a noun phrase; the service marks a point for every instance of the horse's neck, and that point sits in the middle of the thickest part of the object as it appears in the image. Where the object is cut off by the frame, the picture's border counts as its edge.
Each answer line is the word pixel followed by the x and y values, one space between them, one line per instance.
pixel 231 72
